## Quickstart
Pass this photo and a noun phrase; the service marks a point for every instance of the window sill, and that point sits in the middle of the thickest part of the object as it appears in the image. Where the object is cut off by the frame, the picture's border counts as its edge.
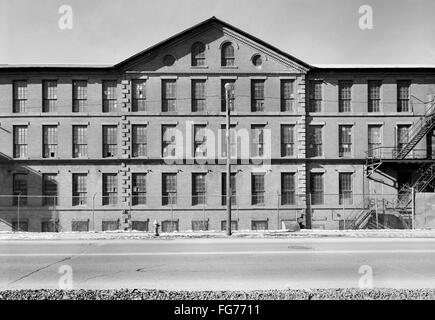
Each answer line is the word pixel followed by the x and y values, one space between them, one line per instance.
pixel 229 67
pixel 199 67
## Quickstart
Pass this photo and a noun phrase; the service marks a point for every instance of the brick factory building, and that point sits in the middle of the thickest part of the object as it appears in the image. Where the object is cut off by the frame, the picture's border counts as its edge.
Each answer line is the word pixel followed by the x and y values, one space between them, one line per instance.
pixel 117 147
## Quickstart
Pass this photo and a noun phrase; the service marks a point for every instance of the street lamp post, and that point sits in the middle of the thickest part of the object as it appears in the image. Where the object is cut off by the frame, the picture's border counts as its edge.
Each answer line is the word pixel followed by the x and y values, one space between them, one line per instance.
pixel 228 92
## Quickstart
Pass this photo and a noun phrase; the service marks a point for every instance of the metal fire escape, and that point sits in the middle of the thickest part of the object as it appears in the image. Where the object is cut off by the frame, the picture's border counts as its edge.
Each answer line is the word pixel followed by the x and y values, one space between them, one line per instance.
pixel 425 173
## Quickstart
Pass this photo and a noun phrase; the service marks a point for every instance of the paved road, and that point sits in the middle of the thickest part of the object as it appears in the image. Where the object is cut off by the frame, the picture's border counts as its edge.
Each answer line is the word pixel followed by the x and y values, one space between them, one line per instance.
pixel 218 263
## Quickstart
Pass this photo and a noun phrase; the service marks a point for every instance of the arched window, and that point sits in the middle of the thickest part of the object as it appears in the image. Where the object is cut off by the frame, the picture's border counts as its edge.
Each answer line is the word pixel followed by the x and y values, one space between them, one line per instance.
pixel 198 54
pixel 227 55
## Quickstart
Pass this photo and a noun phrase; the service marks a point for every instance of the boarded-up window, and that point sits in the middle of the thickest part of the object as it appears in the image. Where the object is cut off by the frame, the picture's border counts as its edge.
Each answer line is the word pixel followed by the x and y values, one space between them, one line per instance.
pixel 287 140
pixel 49 188
pixel 169 226
pixel 169 95
pixel 198 188
pixel 139 225
pixel 109 95
pixel 200 141
pixel 139 144
pixel 315 95
pixel 257 95
pixel 20 141
pixel 374 95
pixel 139 95
pixel 199 225
pixel 198 96
pixel 110 141
pixel 345 188
pixel 198 54
pixel 80 226
pixel 231 99
pixel 19 185
pixel 287 96
pixel 80 95
pixel 49 95
pixel 227 55
pixel 233 188
pixel 110 225
pixel 110 188
pixel 374 140
pixel 20 96
pixel 80 141
pixel 316 141
pixel 316 188
pixel 257 132
pixel 345 140
pixel 49 141
pixel 259 225
pixel 344 95
pixel 287 188
pixel 80 189
pixel 234 225
pixel 168 140
pixel 257 189
pixel 403 95
pixel 139 188
pixel 169 188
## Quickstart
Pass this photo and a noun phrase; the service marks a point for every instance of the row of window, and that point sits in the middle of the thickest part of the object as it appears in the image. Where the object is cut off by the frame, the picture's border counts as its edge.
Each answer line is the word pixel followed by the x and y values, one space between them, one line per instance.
pixel 139 97
pixel 169 188
pixel 137 225
pixel 139 189
pixel 373 95
pixel 169 139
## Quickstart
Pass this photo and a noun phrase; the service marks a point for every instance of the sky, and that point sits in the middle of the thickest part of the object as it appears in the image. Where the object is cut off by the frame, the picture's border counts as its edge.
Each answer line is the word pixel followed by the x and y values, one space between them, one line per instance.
pixel 315 31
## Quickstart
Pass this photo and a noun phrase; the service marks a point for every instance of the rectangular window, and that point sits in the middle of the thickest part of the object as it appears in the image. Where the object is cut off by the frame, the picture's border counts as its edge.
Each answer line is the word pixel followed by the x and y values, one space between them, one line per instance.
pixel 316 141
pixel 316 188
pixel 374 95
pixel 223 96
pixel 139 143
pixel 80 189
pixel 345 141
pixel 80 226
pixel 402 136
pixel 20 141
pixel 80 141
pixel 110 188
pixel 234 225
pixel 169 226
pixel 139 188
pixel 139 225
pixel 110 141
pixel 257 132
pixel 49 226
pixel 198 188
pixel 257 95
pixel 199 225
pixel 198 96
pixel 287 96
pixel 20 96
pixel 288 195
pixel 315 95
pixel 20 226
pixel 49 95
pixel 80 95
pixel 49 141
pixel 403 95
pixel 168 140
pixel 169 95
pixel 344 95
pixel 200 141
pixel 287 140
pixel 233 141
pixel 169 188
pixel 345 188
pixel 259 225
pixel 257 186
pixel 110 225
pixel 49 189
pixel 19 184
pixel 233 189
pixel 374 140
pixel 138 95
pixel 109 95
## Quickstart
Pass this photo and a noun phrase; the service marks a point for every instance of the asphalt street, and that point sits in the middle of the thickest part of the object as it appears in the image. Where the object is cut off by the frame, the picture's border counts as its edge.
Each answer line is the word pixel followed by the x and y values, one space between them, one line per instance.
pixel 217 264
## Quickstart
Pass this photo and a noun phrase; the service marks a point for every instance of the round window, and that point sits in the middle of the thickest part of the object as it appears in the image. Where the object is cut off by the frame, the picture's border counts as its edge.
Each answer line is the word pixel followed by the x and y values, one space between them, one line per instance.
pixel 257 60
pixel 168 60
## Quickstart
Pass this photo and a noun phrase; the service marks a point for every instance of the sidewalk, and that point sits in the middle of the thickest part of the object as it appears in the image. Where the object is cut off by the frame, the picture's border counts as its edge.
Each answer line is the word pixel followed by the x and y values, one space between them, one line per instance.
pixel 131 235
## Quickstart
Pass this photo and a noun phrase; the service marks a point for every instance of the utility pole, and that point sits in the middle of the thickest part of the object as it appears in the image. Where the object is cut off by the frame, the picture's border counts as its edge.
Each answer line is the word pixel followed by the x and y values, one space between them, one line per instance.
pixel 229 89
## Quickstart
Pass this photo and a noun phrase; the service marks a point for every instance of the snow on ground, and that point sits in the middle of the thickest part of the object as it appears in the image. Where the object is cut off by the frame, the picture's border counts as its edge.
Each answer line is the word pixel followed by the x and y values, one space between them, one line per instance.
pixel 119 235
